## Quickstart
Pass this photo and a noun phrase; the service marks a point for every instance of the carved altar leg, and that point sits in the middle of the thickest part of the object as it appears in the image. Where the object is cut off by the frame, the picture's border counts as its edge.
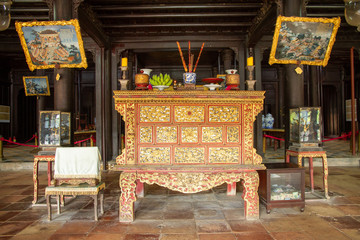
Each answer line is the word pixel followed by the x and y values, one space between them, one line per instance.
pixel 250 195
pixel 49 173
pixel 127 197
pixel 300 157
pixel 325 169
pixel 35 180
pixel 287 158
pixel 139 189
pixel 231 189
pixel 311 173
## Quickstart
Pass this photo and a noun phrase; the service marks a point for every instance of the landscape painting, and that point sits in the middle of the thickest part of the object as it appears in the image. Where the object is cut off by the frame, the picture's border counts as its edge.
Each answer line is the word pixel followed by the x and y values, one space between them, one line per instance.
pixel 300 40
pixel 52 44
pixel 36 86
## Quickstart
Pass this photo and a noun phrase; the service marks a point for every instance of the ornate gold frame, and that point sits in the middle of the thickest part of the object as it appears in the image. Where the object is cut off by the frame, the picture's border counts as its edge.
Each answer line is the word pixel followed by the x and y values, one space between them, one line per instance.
pixel 281 19
pixel 41 94
pixel 32 66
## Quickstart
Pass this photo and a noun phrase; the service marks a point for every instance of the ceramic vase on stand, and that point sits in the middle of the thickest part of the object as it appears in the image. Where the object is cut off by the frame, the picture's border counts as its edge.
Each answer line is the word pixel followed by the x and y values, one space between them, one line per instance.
pixel 189 79
pixel 123 84
pixel 232 79
pixel 269 121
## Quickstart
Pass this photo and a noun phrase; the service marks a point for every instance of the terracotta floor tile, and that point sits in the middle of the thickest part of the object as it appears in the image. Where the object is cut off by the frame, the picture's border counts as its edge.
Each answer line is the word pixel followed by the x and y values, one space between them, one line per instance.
pixel 3 205
pixel 67 237
pixel 253 236
pixel 109 215
pixel 17 206
pixel 345 222
pixel 12 198
pixel 6 237
pixel 178 226
pixel 206 205
pixel 142 237
pixel 105 236
pixel 179 214
pixel 291 236
pixel 12 228
pixel 352 233
pixel 340 200
pixel 179 206
pixel 354 200
pixel 325 210
pixel 208 214
pixel 217 236
pixel 179 237
pixel 145 226
pixel 281 225
pixel 42 227
pixel 212 226
pixel 88 215
pixel 75 227
pixel 110 227
pixel 234 214
pixel 5 215
pixel 246 226
pixel 29 215
pixel 350 209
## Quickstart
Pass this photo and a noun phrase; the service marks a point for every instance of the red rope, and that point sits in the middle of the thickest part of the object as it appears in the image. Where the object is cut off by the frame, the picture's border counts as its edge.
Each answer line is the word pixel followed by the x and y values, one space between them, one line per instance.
pixel 268 136
pixel 325 140
pixel 21 144
pixel 80 141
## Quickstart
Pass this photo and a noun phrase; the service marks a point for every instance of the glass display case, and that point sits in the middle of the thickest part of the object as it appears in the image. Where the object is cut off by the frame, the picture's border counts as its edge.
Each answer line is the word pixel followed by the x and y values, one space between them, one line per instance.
pixel 282 185
pixel 305 127
pixel 55 128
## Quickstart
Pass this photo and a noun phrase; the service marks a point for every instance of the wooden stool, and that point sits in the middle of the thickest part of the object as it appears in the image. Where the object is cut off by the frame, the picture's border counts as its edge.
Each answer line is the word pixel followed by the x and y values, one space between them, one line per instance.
pixel 311 155
pixel 76 190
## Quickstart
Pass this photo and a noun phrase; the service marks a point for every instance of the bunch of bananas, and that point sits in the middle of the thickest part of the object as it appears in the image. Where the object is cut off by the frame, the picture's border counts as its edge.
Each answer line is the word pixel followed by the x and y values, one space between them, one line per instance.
pixel 161 80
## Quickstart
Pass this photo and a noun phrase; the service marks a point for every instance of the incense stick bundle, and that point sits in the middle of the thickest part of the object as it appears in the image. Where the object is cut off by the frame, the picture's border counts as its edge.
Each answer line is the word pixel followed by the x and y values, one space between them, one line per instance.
pixel 182 57
pixel 189 53
pixel 191 63
pixel 197 61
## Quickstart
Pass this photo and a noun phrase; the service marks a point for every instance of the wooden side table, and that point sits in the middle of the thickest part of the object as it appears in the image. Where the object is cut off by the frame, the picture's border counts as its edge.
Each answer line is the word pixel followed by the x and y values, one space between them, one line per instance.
pixel 37 159
pixel 279 133
pixel 311 154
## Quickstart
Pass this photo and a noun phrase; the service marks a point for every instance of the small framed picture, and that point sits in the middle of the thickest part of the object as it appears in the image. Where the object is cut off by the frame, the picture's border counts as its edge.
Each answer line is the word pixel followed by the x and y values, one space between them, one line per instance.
pixel 52 44
pixel 36 86
pixel 303 40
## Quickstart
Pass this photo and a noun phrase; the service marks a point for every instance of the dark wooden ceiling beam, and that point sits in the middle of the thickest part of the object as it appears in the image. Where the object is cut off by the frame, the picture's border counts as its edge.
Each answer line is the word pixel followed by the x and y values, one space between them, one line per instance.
pixel 18 17
pixel 174 15
pixel 264 23
pixel 148 25
pixel 91 25
pixel 177 6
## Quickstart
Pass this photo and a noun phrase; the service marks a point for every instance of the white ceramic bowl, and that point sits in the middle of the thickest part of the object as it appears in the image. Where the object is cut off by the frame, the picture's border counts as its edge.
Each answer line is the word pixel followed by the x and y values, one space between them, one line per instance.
pixel 160 87
pixel 146 71
pixel 231 71
pixel 212 86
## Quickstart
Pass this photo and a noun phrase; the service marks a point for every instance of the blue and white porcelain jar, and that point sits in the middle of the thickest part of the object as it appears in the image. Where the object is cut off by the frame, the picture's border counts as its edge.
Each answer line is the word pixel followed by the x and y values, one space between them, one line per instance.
pixel 189 78
pixel 269 121
pixel 263 121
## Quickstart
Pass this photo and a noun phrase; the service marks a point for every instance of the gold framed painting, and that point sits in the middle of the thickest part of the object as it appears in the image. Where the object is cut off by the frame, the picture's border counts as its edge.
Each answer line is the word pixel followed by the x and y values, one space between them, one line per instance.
pixel 52 44
pixel 303 40
pixel 36 86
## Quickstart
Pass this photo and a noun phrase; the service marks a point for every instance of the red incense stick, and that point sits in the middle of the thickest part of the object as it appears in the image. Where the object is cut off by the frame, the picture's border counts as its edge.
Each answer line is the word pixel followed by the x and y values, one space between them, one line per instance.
pixel 197 61
pixel 182 57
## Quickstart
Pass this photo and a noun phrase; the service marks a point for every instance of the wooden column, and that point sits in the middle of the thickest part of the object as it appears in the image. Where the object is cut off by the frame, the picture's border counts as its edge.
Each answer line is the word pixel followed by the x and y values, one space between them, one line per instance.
pixel 64 88
pixel 314 86
pixel 227 57
pixel 294 83
pixel 258 134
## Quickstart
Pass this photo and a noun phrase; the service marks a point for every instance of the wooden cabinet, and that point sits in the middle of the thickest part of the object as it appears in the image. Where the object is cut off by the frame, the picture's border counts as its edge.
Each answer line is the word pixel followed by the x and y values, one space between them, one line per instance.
pixel 282 185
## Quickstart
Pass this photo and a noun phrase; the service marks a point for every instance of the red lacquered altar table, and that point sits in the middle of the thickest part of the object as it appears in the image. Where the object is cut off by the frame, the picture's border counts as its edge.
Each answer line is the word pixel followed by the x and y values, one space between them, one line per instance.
pixel 188 141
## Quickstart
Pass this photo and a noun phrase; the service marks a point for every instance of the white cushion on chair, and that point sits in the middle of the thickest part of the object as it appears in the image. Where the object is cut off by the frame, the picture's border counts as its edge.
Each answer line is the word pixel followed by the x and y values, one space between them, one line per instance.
pixel 77 162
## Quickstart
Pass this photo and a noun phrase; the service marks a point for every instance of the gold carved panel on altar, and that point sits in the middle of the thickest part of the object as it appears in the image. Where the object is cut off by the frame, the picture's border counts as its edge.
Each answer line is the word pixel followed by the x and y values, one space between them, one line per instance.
pixel 154 113
pixel 233 134
pixel 188 155
pixel 189 113
pixel 154 155
pixel 189 134
pixel 166 134
pixel 212 134
pixel 223 114
pixel 145 134
pixel 224 155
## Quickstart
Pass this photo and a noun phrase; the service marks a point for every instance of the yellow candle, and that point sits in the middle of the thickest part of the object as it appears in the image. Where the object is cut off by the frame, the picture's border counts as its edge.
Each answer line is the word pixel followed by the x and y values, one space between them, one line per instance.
pixel 250 61
pixel 124 62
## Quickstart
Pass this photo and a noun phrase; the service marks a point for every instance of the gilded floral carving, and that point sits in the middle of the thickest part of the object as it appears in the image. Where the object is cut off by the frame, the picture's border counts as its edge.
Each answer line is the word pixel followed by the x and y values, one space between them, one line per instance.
pixel 166 134
pixel 233 134
pixel 211 134
pixel 223 155
pixel 145 134
pixel 127 197
pixel 154 113
pixel 189 134
pixel 130 135
pixel 189 155
pixel 154 155
pixel 189 113
pixel 223 114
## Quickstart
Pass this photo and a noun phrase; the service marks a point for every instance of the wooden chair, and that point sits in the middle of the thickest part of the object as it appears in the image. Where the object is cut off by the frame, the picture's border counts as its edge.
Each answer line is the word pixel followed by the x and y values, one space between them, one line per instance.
pixel 77 172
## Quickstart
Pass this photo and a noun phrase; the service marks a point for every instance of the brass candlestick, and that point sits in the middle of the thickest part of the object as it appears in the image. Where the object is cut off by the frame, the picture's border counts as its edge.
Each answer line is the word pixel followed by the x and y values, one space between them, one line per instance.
pixel 123 81
pixel 251 82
